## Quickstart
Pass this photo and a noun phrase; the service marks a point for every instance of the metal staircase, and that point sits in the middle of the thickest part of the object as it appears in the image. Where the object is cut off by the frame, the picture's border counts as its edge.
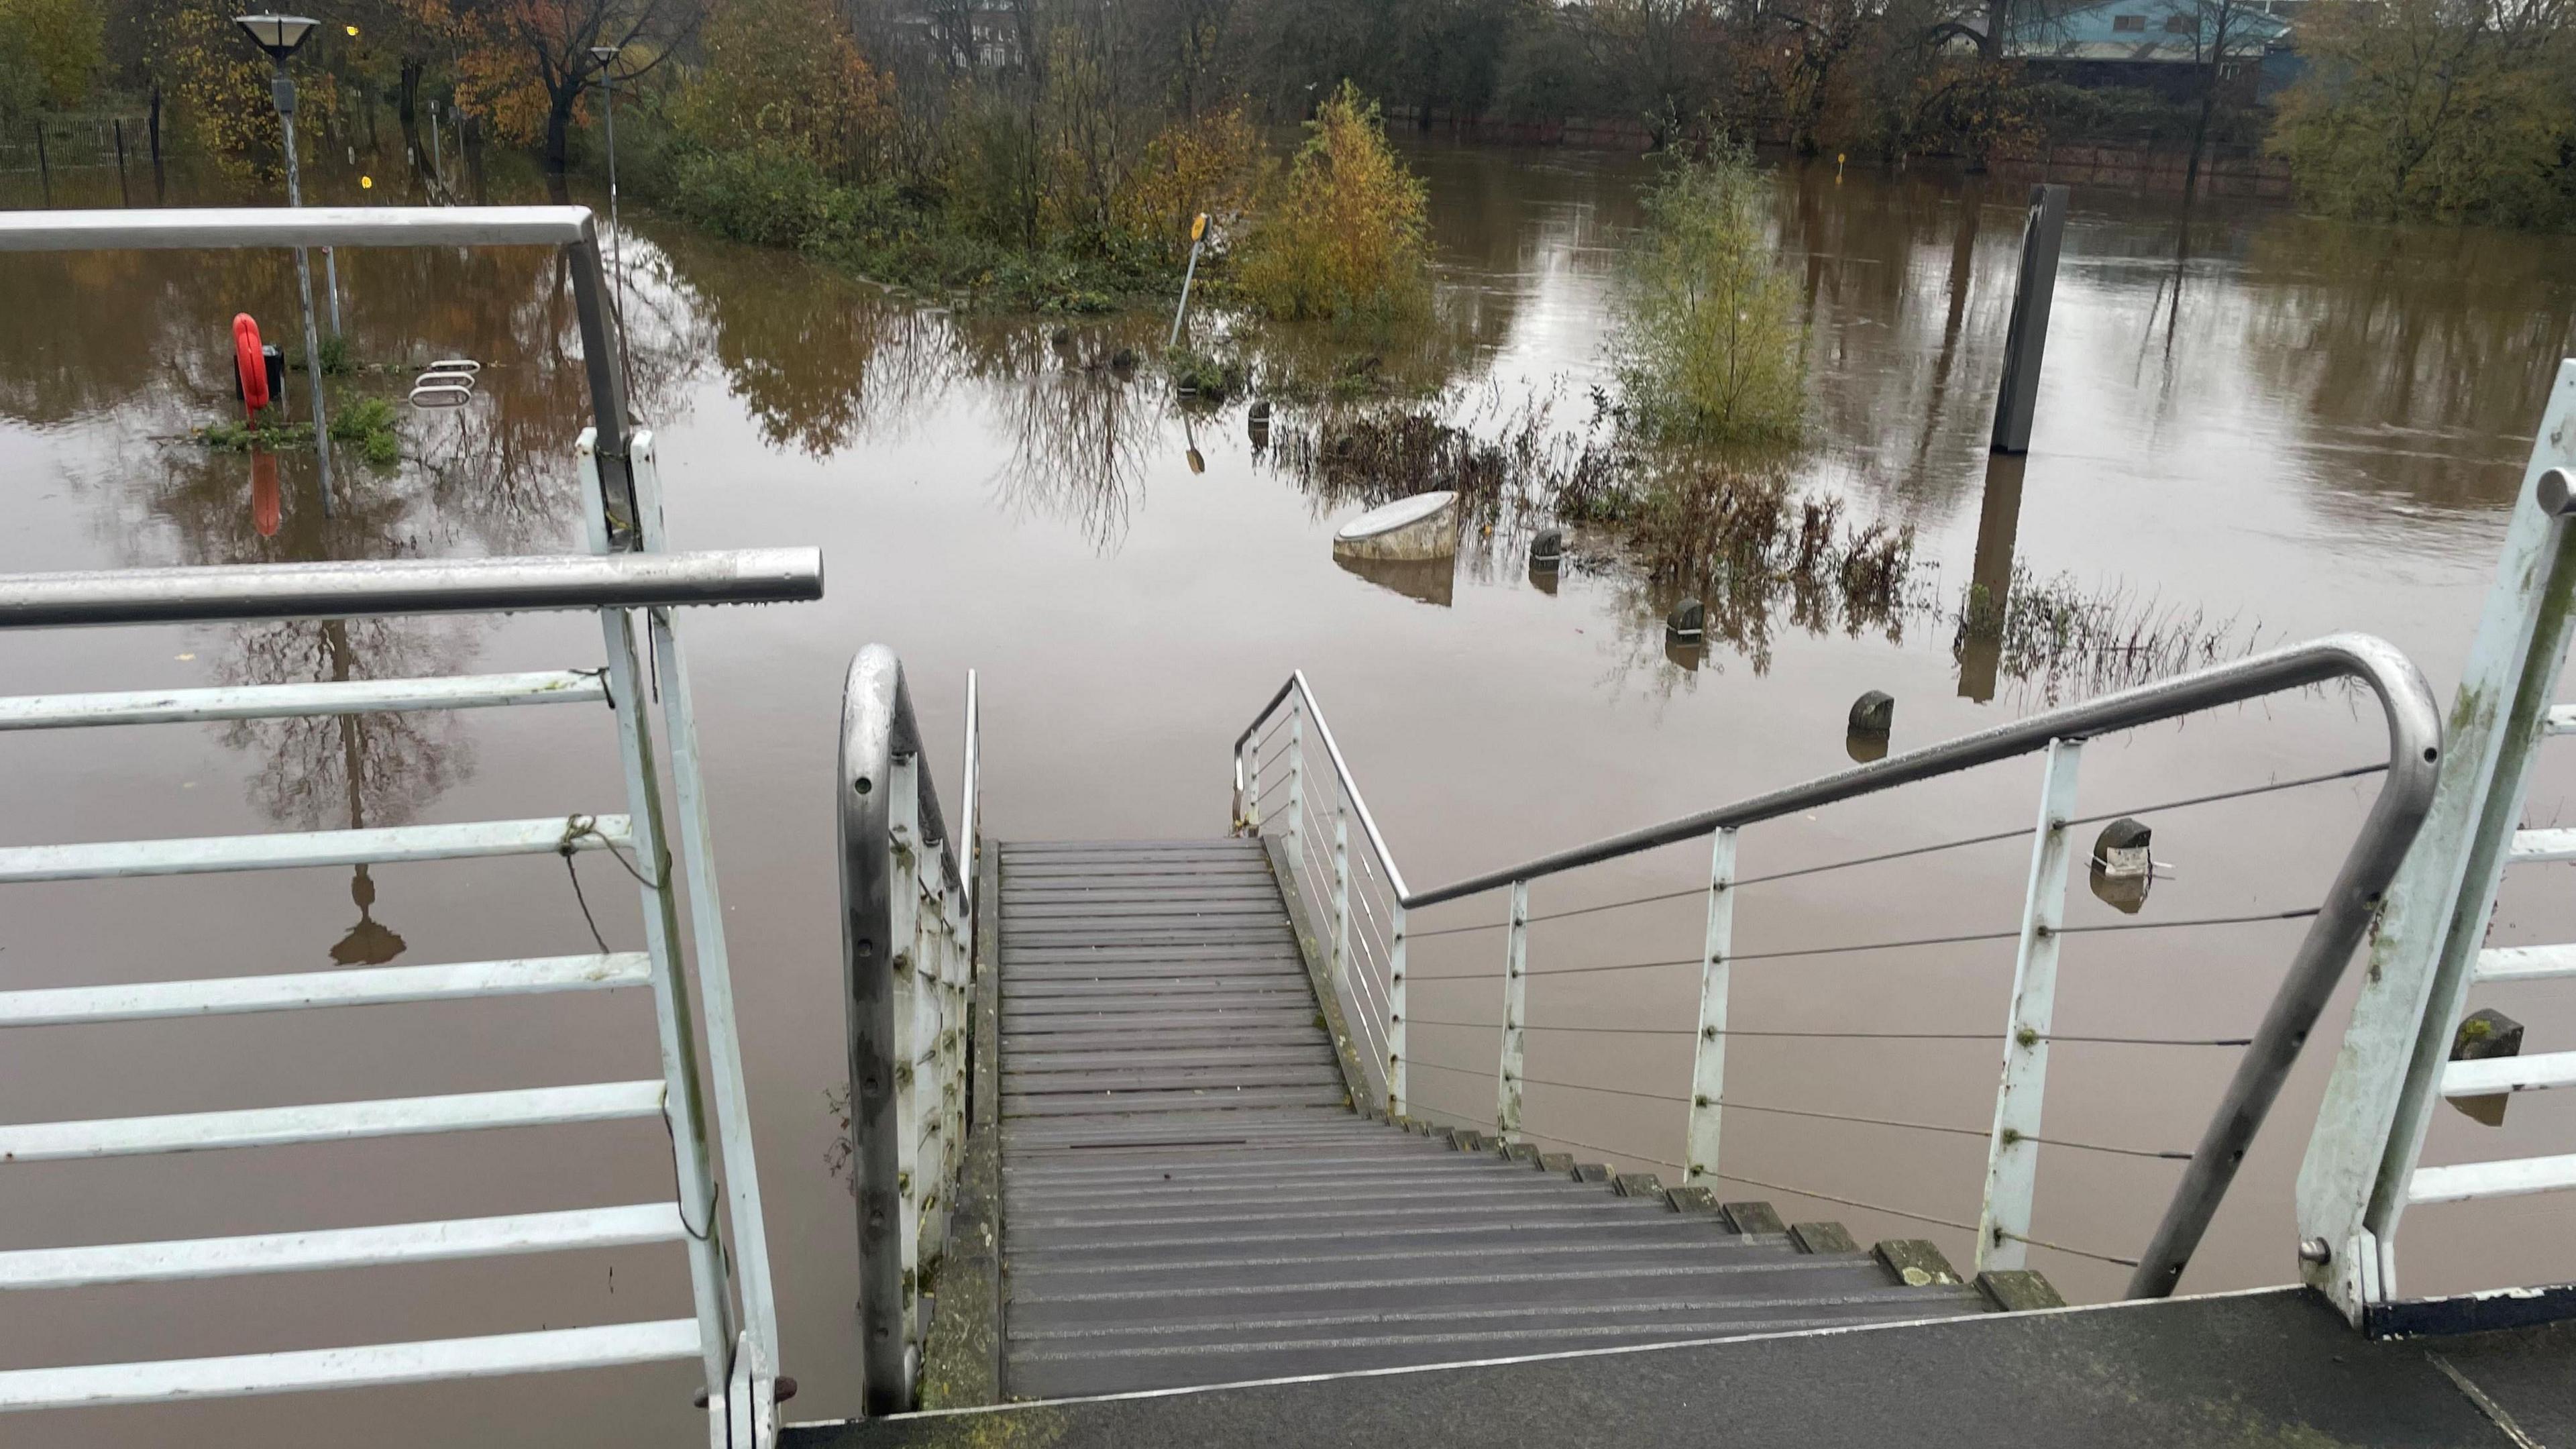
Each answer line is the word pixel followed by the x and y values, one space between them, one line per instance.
pixel 635 585
pixel 2432 953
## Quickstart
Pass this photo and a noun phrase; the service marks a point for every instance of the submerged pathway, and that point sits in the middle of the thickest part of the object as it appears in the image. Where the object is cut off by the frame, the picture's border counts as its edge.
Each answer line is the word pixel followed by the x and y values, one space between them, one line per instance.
pixel 1190 1198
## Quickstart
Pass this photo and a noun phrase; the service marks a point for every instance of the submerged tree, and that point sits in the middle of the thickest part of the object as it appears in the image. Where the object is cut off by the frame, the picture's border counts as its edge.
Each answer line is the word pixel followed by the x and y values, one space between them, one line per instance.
pixel 1343 235
pixel 1710 346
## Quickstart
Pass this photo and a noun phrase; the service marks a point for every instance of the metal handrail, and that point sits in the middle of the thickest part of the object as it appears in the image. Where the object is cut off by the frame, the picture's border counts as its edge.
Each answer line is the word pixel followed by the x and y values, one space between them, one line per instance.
pixel 363 588
pixel 2414 738
pixel 1341 770
pixel 2414 743
pixel 885 943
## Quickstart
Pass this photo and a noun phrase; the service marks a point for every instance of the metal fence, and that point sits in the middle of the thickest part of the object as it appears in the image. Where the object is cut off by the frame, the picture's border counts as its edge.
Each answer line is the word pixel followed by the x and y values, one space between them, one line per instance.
pixel 663 840
pixel 1293 783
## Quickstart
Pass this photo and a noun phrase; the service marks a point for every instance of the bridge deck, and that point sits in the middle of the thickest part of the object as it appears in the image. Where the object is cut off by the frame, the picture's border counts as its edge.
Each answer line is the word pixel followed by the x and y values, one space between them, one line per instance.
pixel 1189 1197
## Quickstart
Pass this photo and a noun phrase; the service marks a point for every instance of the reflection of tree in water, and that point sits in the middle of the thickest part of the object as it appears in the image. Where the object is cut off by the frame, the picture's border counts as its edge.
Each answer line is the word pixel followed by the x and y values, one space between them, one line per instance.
pixel 2425 352
pixel 819 360
pixel 1080 412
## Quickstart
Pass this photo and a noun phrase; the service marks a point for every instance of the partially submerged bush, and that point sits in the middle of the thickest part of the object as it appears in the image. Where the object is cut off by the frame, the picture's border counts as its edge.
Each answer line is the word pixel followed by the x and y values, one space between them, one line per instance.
pixel 1342 234
pixel 1710 346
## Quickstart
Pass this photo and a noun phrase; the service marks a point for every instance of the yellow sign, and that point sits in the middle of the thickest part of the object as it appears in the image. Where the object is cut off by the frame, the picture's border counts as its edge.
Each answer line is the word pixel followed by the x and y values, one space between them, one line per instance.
pixel 353 30
pixel 366 183
pixel 1198 228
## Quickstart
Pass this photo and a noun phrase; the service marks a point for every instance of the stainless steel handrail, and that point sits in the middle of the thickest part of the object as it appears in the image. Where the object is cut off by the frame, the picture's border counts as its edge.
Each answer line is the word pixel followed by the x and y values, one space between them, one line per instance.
pixel 2414 738
pixel 364 588
pixel 231 227
pixel 881 742
pixel 1341 769
pixel 2414 756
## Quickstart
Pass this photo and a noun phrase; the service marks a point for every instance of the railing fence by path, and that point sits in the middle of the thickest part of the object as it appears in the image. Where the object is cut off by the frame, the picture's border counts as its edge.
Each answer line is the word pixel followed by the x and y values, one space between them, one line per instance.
pixel 1293 782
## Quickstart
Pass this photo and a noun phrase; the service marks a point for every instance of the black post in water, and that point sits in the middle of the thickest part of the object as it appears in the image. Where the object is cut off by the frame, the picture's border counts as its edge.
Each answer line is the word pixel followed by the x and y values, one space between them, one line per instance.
pixel 1981 624
pixel 120 163
pixel 2040 238
pixel 44 167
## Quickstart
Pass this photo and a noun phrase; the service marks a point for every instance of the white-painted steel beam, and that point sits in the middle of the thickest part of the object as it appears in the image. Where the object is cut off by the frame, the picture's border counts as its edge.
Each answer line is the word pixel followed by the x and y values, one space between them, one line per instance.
pixel 367 1366
pixel 281 701
pixel 2513 1177
pixel 2509 1074
pixel 95 1265
pixel 328 1121
pixel 2526 963
pixel 287 851
pixel 2539 847
pixel 144 1001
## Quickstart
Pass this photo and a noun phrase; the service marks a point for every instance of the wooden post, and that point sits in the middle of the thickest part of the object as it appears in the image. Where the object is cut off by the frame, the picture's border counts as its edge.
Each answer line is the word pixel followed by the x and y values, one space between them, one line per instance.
pixel 2012 1153
pixel 2027 339
pixel 1708 1053
pixel 1507 1085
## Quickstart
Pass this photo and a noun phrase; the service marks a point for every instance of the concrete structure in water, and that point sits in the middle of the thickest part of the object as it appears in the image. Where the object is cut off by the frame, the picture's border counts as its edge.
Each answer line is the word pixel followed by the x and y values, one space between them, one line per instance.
pixel 1424 526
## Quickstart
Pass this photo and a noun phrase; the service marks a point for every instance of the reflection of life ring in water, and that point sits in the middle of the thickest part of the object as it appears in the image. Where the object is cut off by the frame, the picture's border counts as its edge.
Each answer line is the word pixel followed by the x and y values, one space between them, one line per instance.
pixel 249 364
pixel 265 506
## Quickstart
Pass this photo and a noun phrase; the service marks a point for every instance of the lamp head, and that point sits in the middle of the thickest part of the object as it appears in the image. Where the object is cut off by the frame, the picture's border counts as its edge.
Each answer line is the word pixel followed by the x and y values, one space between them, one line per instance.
pixel 603 54
pixel 279 35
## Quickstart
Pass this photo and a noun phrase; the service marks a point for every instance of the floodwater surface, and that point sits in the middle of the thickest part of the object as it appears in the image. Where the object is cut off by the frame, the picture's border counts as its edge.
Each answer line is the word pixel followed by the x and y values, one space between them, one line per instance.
pixel 2274 426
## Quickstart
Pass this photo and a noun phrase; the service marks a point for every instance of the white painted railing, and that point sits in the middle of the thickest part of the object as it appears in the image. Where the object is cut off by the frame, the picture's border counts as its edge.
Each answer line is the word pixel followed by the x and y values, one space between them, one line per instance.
pixel 2404 1054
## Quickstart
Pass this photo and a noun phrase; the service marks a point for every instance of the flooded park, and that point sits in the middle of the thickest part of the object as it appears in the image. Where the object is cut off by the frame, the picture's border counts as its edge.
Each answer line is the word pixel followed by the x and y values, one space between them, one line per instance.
pixel 2254 427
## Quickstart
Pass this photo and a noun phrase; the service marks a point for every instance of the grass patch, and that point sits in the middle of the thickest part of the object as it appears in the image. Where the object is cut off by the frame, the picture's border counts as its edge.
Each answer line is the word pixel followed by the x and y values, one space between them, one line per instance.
pixel 366 423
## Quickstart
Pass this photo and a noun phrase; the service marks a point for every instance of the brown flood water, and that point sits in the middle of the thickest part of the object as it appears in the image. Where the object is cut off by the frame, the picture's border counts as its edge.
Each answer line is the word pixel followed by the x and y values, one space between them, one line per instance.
pixel 2298 427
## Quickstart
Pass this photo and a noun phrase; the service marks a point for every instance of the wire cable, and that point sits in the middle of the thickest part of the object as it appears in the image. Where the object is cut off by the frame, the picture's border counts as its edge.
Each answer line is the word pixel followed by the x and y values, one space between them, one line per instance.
pixel 1847 1202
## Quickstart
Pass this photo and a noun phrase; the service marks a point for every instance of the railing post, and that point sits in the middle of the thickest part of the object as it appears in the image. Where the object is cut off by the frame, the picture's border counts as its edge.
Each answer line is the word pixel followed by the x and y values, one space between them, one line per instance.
pixel 1507 1085
pixel 1395 1103
pixel 2012 1154
pixel 1341 897
pixel 1708 1051
pixel 903 839
pixel 1247 777
pixel 1295 830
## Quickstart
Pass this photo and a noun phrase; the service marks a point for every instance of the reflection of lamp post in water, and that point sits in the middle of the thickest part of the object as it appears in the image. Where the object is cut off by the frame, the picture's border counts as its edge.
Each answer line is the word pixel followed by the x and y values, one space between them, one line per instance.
pixel 368 942
pixel 280 36
pixel 606 55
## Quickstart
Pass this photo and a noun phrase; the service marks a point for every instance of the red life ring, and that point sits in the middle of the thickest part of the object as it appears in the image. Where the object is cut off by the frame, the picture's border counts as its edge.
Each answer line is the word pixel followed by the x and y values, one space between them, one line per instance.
pixel 249 363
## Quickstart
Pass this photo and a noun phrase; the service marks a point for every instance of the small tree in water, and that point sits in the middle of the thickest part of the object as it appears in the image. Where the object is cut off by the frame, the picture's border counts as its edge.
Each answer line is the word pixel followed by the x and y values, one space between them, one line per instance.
pixel 1343 235
pixel 1710 347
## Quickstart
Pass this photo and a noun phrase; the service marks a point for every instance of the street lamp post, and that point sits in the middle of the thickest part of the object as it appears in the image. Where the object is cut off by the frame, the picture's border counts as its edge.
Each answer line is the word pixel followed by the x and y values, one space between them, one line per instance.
pixel 606 55
pixel 280 35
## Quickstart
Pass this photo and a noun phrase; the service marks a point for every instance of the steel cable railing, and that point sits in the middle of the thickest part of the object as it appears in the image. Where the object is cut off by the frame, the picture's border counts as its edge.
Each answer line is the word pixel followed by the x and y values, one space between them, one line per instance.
pixel 1318 800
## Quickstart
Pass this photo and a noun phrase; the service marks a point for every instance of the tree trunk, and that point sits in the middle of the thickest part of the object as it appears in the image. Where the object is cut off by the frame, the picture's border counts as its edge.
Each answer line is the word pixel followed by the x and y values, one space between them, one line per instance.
pixel 2200 131
pixel 559 128
pixel 407 104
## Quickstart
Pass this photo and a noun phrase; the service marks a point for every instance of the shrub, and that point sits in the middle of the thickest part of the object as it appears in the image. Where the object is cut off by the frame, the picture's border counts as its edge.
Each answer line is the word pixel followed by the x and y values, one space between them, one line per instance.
pixel 1343 234
pixel 1208 164
pixel 811 95
pixel 1709 344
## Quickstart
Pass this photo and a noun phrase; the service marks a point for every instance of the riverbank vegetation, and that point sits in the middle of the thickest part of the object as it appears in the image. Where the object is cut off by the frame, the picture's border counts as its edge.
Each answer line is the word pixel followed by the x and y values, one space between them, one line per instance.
pixel 1711 346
